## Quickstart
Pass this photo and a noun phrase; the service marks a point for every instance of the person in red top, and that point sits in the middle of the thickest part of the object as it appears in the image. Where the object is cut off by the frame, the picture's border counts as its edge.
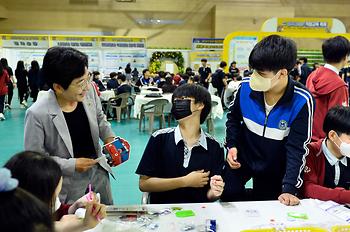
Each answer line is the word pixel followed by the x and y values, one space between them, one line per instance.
pixel 4 79
pixel 327 174
pixel 325 84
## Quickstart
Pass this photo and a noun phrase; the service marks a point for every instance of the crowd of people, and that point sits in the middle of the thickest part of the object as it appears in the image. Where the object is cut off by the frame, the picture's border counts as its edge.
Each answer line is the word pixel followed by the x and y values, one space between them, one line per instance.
pixel 28 82
pixel 290 134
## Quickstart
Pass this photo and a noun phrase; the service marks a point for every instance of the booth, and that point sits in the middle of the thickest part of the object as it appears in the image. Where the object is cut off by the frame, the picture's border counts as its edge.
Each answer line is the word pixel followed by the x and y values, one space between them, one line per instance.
pixel 106 53
pixel 308 33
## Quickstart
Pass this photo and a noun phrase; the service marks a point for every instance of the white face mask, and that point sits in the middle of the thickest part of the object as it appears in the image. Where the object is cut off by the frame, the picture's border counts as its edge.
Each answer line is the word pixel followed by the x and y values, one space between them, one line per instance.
pixel 344 148
pixel 57 205
pixel 259 83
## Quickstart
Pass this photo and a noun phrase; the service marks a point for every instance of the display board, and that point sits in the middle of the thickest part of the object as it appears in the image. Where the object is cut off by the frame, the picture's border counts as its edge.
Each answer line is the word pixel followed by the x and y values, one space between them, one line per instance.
pixel 112 59
pixel 300 25
pixel 106 53
pixel 238 45
pixel 27 55
pixel 207 44
pixel 214 58
pixel 208 48
pixel 240 48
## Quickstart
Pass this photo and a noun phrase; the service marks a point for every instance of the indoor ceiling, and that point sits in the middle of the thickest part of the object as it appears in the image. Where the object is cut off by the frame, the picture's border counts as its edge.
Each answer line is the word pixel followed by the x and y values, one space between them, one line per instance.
pixel 150 17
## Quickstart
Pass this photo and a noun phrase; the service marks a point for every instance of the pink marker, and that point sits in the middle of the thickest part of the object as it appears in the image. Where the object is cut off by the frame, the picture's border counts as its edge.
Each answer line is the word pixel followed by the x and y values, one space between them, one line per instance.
pixel 90 192
pixel 90 198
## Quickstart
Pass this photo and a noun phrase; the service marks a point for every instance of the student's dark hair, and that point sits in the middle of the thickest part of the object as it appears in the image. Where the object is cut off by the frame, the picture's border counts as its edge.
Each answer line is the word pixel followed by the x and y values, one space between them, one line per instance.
pixel 247 73
pixel 304 59
pixel 144 71
pixel 196 78
pixel 37 173
pixel 337 119
pixel 34 66
pixel 233 62
pixel 204 60
pixel 200 95
pixel 185 76
pixel 4 62
pixel 62 65
pixel 161 74
pixel 113 74
pixel 20 65
pixel 223 64
pixel 273 53
pixel 95 74
pixel 335 49
pixel 121 77
pixel 169 80
pixel 188 69
pixel 23 212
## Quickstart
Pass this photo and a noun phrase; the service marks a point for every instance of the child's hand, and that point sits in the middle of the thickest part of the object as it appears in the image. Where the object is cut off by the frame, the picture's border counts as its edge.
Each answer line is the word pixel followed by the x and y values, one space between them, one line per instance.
pixel 94 213
pixel 197 179
pixel 288 199
pixel 216 186
pixel 81 202
pixel 232 158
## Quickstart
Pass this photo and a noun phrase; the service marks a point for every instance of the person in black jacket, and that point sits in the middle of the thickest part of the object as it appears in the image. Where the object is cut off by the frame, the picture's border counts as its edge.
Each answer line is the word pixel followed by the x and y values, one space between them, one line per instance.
pixel 268 127
pixel 218 78
pixel 96 79
pixel 22 83
pixel 183 164
pixel 33 79
pixel 305 70
pixel 168 86
pixel 205 73
pixel 113 82
pixel 124 87
pixel 233 70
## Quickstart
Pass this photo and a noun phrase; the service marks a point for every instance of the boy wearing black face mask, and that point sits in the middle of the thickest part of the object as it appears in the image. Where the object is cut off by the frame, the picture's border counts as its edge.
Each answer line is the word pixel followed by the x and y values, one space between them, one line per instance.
pixel 268 127
pixel 327 174
pixel 183 164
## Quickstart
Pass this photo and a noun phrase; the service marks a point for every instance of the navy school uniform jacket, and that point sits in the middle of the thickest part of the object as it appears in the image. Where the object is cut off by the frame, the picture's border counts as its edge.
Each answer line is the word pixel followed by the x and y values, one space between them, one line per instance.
pixel 274 144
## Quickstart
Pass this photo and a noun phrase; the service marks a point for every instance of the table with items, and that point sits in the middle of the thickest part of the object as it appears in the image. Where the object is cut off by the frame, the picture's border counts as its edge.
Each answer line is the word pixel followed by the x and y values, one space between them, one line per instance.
pixel 107 94
pixel 222 216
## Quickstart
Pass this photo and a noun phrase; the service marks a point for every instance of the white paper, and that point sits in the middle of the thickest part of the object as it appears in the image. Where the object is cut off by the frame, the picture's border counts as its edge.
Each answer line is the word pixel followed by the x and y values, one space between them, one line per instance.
pixel 102 160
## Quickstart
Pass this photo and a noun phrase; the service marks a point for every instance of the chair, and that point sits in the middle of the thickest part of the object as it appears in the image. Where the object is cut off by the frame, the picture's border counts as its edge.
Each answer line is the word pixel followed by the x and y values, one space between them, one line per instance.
pixel 131 103
pixel 154 108
pixel 210 120
pixel 119 103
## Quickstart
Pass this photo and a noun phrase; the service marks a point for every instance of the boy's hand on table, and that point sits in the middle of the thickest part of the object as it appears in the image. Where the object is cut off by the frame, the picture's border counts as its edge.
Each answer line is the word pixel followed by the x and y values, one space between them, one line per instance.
pixel 288 199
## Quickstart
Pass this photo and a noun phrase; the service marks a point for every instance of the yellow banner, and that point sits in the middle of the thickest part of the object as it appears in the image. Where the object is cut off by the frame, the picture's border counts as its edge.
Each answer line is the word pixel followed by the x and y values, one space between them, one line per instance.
pixel 304 24
pixel 24 37
pixel 121 39
pixel 74 38
pixel 213 57
pixel 24 41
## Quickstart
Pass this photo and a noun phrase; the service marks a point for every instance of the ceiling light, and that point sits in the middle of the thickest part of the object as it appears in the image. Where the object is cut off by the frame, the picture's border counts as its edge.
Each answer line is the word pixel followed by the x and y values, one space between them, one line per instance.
pixel 159 21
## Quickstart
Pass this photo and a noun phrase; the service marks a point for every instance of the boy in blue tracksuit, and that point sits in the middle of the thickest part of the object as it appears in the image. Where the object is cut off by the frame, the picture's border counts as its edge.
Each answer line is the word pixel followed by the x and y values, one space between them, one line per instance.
pixel 268 127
